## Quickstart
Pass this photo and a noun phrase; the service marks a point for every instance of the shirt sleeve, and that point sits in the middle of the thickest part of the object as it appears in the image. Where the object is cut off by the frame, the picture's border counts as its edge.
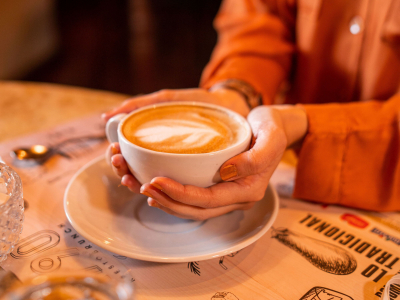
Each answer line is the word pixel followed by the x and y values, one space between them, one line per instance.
pixel 350 155
pixel 255 44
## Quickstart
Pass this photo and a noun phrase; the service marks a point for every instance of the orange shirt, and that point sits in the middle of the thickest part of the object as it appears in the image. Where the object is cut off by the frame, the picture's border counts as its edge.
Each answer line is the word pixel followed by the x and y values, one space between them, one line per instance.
pixel 341 59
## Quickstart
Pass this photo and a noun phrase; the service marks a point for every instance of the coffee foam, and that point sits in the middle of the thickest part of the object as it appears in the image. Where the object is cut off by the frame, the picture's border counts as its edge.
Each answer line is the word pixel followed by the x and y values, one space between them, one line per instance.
pixel 191 132
pixel 182 129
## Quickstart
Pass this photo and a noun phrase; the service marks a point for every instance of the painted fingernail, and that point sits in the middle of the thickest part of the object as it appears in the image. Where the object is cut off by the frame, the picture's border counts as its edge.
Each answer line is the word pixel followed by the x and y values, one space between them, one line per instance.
pixel 114 149
pixel 153 203
pixel 157 186
pixel 124 180
pixel 146 193
pixel 116 165
pixel 228 172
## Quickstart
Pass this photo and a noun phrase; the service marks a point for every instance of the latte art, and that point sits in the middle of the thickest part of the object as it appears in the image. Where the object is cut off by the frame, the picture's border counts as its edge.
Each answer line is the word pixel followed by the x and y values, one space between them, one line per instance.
pixel 182 129
pixel 189 133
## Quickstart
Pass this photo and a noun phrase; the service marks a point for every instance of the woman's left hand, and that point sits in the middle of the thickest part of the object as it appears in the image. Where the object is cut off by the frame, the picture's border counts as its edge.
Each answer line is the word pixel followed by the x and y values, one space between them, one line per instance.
pixel 246 176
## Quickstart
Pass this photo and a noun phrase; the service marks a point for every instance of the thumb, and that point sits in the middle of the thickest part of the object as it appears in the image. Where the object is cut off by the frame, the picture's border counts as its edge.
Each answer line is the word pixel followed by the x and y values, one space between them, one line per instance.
pixel 268 144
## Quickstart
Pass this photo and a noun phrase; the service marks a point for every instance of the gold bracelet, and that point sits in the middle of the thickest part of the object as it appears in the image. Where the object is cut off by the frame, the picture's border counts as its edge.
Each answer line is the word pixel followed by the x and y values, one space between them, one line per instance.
pixel 252 97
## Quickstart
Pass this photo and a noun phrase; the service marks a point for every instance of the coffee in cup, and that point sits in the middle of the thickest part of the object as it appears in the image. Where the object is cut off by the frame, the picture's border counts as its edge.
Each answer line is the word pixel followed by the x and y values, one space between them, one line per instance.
pixel 184 129
pixel 185 141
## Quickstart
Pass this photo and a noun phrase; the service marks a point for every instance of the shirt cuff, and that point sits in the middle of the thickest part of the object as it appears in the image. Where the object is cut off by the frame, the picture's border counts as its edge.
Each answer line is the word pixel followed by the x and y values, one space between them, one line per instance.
pixel 265 75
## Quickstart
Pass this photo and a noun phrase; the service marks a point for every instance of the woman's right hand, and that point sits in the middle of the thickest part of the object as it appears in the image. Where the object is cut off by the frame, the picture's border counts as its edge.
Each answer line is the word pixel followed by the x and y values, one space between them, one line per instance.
pixel 274 128
pixel 245 176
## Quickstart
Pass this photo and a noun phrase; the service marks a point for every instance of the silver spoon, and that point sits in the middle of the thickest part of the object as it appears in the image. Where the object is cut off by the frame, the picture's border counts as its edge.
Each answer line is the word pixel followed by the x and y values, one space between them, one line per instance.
pixel 40 153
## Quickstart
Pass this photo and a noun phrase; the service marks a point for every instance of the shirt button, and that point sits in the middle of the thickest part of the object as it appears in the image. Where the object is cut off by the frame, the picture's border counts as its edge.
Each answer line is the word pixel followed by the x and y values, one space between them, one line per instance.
pixel 356 25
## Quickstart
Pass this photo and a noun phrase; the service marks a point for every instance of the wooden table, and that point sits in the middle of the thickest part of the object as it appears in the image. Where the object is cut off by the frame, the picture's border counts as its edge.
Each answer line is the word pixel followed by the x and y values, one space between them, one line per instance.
pixel 30 107
pixel 288 263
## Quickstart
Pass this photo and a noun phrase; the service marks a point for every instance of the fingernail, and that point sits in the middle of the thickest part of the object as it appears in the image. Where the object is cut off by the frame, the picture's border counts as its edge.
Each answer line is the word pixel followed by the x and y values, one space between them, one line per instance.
pixel 153 204
pixel 146 194
pixel 103 115
pixel 124 180
pixel 114 149
pixel 228 172
pixel 114 164
pixel 157 186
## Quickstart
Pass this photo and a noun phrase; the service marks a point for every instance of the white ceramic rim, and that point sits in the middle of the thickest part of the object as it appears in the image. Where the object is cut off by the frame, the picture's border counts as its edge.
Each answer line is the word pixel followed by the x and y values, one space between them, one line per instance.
pixel 245 139
pixel 248 241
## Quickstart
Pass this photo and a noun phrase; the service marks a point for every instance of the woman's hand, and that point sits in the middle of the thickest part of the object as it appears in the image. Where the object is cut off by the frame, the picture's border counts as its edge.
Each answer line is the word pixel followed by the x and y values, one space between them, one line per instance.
pixel 224 97
pixel 246 176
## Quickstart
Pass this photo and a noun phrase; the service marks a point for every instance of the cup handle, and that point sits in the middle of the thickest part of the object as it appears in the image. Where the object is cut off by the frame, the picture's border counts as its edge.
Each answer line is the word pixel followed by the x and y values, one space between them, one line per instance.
pixel 112 128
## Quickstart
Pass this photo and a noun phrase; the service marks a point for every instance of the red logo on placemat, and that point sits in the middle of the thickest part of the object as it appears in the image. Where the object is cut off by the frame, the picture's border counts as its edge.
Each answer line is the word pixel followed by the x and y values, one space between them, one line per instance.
pixel 354 220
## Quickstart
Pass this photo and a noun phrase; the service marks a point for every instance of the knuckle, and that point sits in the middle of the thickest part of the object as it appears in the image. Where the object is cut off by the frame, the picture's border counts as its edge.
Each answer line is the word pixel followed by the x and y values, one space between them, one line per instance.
pixel 253 193
pixel 127 101
pixel 209 203
pixel 249 187
pixel 283 141
pixel 259 195
pixel 206 199
pixel 164 93
pixel 252 163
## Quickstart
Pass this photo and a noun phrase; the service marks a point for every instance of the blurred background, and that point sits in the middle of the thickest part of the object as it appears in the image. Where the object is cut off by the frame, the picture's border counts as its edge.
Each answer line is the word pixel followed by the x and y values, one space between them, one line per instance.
pixel 125 46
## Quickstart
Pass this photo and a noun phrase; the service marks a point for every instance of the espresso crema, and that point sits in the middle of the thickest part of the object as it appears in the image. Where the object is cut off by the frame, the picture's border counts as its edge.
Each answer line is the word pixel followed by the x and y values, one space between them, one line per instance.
pixel 182 129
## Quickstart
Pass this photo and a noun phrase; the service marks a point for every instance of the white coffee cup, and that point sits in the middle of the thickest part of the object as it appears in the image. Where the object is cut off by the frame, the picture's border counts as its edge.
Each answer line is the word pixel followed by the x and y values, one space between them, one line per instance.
pixel 200 169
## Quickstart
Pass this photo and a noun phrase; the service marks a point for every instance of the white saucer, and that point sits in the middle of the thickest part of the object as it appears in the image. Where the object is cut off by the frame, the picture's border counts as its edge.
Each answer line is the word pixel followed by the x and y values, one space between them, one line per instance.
pixel 121 222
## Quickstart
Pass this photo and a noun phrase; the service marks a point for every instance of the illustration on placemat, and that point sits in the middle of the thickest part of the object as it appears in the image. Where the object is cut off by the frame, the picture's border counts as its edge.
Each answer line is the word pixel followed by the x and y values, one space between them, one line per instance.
pixel 221 260
pixel 35 243
pixel 194 267
pixel 321 293
pixel 354 220
pixel 94 269
pixel 325 256
pixel 52 262
pixel 224 296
